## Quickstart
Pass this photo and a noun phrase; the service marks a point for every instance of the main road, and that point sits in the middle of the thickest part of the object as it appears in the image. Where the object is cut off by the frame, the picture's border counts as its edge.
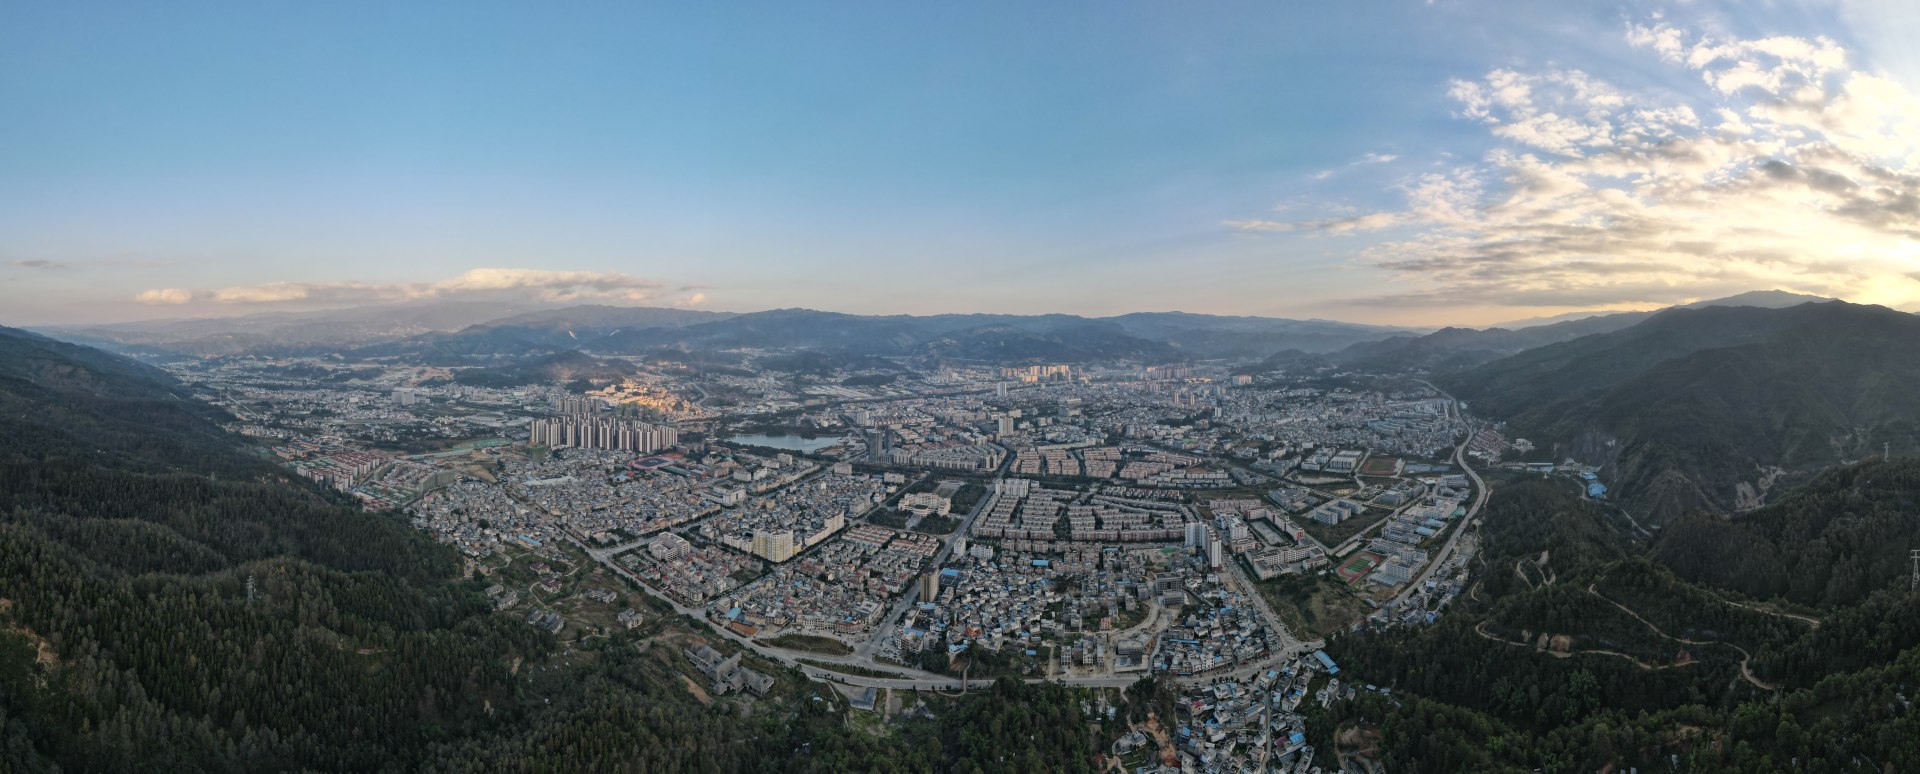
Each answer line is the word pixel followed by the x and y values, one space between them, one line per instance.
pixel 903 678
pixel 912 594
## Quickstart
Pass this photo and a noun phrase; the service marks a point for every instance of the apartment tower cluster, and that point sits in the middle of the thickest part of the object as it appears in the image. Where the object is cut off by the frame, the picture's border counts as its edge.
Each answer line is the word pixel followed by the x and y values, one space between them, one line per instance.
pixel 1039 373
pixel 579 424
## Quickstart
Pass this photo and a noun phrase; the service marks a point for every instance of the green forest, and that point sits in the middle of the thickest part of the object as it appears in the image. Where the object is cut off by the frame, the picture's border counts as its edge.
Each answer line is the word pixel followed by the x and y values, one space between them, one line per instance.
pixel 1580 647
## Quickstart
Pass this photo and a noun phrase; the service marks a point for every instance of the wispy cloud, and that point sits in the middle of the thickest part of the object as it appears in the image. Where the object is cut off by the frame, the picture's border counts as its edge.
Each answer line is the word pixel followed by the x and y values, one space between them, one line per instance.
pixel 40 264
pixel 1791 168
pixel 1364 160
pixel 477 284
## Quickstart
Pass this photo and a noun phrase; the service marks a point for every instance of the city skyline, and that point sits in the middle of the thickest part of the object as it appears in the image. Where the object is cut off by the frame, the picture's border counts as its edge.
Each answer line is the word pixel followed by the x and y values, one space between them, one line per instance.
pixel 1234 160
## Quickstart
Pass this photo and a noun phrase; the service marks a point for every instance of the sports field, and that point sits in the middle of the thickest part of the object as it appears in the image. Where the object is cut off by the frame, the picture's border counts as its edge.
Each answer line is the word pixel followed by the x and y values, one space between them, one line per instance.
pixel 1358 567
pixel 1380 466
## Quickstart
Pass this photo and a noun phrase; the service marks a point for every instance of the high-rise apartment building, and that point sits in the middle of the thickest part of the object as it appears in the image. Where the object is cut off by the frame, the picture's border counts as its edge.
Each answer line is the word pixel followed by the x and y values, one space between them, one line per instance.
pixel 588 432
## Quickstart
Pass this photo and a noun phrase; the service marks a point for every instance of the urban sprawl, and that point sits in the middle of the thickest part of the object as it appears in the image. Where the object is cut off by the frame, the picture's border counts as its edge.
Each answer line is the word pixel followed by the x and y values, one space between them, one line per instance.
pixel 1082 525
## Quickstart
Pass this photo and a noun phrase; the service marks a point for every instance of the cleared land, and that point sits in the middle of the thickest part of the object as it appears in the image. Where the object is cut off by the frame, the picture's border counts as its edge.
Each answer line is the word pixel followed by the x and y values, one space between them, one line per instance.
pixel 1313 605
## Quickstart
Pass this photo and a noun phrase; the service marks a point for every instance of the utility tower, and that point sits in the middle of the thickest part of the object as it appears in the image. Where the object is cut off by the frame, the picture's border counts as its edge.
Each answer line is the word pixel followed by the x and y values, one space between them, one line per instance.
pixel 1915 553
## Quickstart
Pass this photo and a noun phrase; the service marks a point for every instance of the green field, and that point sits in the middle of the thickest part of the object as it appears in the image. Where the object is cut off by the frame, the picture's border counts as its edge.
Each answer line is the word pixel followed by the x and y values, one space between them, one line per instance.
pixel 811 643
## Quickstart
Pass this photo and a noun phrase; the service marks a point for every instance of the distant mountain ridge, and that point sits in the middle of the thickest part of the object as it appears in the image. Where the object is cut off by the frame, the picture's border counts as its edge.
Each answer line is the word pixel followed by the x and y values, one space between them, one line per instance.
pixel 988 338
pixel 470 334
pixel 1453 349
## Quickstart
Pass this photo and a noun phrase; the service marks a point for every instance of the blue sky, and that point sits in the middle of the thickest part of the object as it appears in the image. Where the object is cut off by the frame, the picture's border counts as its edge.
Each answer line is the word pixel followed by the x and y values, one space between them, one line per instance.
pixel 161 160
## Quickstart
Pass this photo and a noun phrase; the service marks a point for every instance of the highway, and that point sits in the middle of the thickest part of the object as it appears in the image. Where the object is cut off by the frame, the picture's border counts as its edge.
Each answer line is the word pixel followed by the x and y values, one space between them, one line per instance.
pixel 1479 499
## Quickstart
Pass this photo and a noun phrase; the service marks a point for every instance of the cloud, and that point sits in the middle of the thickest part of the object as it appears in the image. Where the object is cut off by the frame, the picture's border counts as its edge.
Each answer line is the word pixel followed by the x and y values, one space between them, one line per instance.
pixel 1787 167
pixel 37 263
pixel 477 284
pixel 1348 225
pixel 167 296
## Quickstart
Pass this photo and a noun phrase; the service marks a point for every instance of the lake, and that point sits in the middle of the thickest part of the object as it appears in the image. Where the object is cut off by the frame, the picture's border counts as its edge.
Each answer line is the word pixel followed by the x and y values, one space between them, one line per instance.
pixel 788 442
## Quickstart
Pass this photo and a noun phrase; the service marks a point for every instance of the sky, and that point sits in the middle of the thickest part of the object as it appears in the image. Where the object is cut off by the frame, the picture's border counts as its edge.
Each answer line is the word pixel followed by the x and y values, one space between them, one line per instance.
pixel 1392 161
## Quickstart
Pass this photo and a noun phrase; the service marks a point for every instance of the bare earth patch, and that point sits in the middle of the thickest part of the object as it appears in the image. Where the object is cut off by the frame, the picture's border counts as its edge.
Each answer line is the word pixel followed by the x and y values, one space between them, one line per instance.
pixel 695 689
pixel 44 654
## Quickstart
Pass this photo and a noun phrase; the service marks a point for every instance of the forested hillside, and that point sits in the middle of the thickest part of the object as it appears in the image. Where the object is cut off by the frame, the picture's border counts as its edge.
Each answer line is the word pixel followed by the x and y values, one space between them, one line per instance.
pixel 565 366
pixel 1580 648
pixel 1830 543
pixel 131 527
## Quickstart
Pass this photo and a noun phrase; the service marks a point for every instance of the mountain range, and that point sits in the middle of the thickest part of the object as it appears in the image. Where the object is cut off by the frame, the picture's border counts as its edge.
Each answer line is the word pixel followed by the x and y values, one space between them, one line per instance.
pixel 1710 408
pixel 469 333
pixel 1454 349
pixel 284 332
